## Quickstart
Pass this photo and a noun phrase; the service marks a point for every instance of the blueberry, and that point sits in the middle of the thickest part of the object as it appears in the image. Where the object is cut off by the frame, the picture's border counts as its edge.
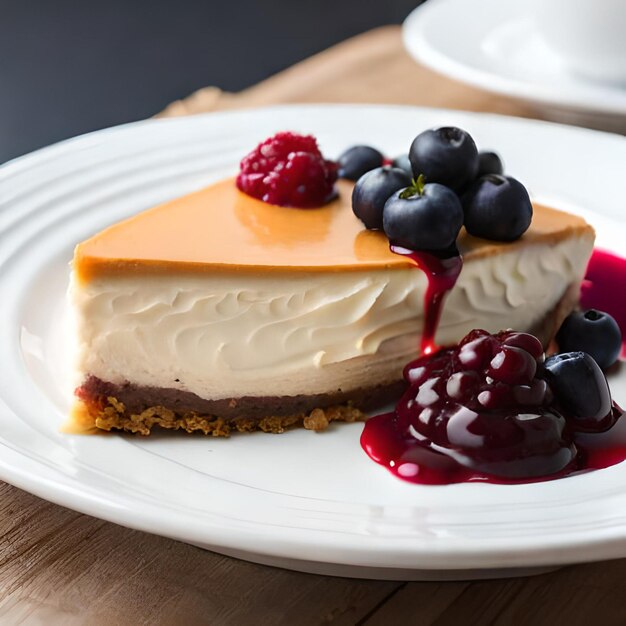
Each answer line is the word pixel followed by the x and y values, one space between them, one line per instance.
pixel 593 332
pixel 489 163
pixel 445 155
pixel 581 392
pixel 355 161
pixel 446 253
pixel 403 163
pixel 371 192
pixel 423 217
pixel 497 207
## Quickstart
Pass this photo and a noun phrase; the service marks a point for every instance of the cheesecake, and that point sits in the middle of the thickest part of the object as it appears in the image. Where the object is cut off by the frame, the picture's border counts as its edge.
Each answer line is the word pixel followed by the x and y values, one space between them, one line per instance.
pixel 219 312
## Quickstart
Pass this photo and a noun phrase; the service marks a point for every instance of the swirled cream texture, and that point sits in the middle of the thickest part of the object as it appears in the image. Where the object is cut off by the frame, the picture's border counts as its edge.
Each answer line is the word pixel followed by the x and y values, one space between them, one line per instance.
pixel 234 334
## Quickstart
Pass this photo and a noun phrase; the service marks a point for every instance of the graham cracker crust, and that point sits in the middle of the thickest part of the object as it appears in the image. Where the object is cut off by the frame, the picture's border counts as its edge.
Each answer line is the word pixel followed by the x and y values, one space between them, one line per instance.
pixel 113 416
pixel 131 408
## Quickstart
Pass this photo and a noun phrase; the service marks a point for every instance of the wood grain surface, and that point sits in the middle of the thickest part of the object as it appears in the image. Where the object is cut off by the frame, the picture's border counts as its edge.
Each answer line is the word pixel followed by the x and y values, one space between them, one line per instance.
pixel 61 567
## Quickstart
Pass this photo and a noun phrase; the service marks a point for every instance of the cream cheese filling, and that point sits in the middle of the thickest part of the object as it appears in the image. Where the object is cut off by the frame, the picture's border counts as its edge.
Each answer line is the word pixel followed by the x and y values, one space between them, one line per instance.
pixel 243 334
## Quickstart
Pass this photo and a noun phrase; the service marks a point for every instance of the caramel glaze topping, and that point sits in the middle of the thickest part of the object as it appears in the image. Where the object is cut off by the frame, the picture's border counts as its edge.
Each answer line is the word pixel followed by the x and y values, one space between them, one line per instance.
pixel 221 228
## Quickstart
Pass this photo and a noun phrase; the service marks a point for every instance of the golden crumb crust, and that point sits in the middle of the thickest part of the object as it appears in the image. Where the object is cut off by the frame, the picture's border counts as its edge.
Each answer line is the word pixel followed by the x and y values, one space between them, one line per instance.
pixel 114 417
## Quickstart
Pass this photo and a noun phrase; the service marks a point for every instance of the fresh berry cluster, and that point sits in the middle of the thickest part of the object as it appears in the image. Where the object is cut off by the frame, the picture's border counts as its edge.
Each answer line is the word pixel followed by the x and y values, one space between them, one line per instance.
pixel 422 200
pixel 289 170
pixel 496 406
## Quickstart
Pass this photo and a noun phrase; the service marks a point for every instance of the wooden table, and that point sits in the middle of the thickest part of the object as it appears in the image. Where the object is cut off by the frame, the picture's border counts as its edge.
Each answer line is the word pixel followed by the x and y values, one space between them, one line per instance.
pixel 58 566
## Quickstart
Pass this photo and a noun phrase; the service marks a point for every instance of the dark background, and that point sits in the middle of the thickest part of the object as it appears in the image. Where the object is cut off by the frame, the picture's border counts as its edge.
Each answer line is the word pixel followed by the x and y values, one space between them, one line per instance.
pixel 71 66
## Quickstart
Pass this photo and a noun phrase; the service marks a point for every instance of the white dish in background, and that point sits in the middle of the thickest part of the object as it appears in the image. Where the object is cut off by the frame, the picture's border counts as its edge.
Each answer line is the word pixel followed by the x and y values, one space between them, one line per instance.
pixel 301 500
pixel 587 35
pixel 494 45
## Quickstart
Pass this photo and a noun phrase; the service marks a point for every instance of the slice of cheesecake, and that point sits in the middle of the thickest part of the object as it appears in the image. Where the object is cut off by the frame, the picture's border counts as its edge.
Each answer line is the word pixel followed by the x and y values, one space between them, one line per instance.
pixel 220 312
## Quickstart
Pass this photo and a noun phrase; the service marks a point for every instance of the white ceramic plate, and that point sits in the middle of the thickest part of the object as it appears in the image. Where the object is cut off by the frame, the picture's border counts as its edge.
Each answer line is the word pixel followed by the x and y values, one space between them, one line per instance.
pixel 492 44
pixel 302 500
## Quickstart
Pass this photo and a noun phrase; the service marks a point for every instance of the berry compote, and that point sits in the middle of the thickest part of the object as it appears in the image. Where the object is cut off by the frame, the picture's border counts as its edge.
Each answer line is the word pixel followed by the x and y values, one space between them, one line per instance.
pixel 482 411
pixel 289 170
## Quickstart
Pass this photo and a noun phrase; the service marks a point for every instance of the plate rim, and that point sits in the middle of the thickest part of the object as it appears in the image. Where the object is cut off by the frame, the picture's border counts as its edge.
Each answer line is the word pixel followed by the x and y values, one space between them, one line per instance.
pixel 6 167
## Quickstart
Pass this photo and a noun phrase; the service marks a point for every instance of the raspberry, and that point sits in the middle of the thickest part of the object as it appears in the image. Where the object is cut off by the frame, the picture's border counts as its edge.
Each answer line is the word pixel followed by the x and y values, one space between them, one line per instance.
pixel 289 170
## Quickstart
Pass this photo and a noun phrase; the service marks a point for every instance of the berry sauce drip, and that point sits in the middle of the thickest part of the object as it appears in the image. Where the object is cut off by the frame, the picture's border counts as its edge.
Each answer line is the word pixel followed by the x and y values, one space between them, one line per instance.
pixel 441 275
pixel 289 170
pixel 491 409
